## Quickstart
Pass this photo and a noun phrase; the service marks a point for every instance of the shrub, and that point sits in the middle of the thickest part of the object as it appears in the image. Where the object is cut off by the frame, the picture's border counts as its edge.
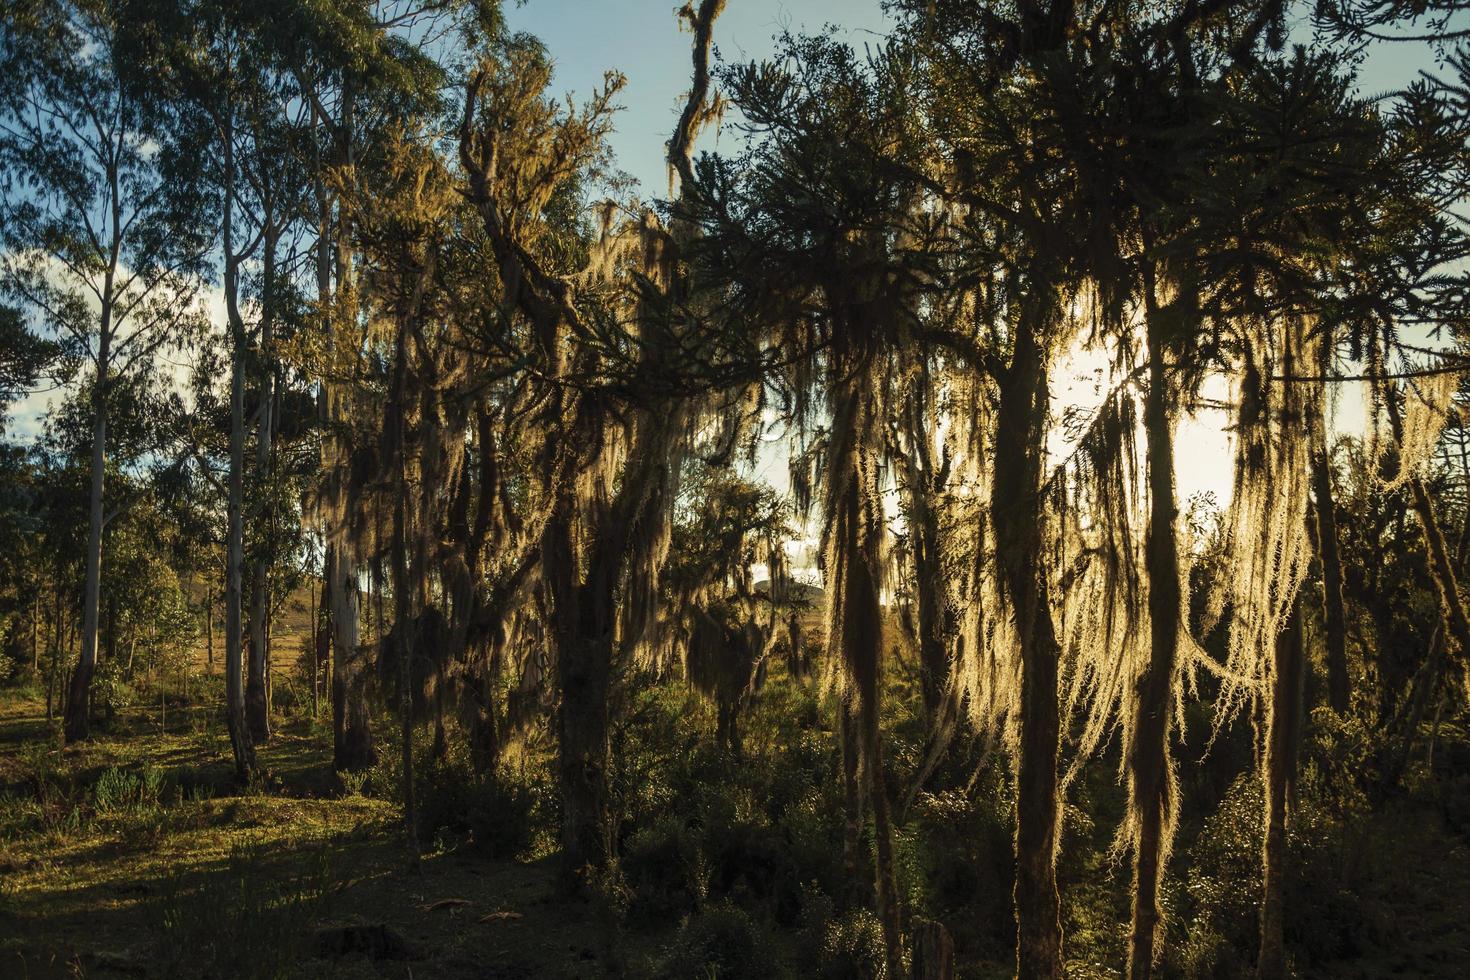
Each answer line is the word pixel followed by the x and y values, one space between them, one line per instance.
pixel 664 872
pixel 1326 918
pixel 723 942
pixel 488 812
pixel 852 948
pixel 963 868
pixel 125 791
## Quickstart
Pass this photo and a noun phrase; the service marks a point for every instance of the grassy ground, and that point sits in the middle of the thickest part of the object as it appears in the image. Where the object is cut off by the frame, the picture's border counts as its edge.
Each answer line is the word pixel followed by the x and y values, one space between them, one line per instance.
pixel 133 855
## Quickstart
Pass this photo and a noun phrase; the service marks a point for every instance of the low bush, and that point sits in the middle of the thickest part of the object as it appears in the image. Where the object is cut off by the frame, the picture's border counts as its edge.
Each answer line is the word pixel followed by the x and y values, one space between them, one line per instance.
pixel 489 813
pixel 723 942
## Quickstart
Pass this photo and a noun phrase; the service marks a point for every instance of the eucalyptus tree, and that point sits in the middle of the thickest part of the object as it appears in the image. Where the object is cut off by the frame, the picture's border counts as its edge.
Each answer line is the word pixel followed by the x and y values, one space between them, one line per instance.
pixel 26 357
pixel 95 245
pixel 220 67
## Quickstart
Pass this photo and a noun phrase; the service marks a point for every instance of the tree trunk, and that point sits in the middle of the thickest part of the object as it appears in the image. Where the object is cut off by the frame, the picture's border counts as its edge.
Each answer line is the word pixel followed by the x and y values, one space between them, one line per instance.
pixel 931 952
pixel 235 721
pixel 240 743
pixel 352 737
pixel 582 630
pixel 208 629
pixel 1283 727
pixel 855 623
pixel 79 695
pixel 924 549
pixel 405 624
pixel 1017 514
pixel 1441 566
pixel 257 700
pixel 1149 764
pixel 852 797
pixel 919 484
pixel 1339 693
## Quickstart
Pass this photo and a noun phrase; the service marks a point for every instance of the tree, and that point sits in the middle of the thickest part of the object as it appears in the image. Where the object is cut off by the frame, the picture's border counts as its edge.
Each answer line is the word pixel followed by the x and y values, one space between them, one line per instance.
pixel 95 244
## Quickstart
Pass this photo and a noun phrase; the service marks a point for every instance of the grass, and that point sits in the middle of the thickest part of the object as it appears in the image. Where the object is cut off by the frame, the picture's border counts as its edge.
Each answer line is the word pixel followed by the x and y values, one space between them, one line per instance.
pixel 134 855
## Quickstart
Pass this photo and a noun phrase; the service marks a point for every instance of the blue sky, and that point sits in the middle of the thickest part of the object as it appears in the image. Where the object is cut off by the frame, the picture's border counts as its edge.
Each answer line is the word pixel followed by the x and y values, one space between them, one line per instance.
pixel 641 38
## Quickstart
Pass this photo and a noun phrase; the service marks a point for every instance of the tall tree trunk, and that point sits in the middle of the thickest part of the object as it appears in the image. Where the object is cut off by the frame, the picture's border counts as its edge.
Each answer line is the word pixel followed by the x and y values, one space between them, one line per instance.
pixel 855 616
pixel 581 617
pixel 257 693
pixel 1149 764
pixel 352 737
pixel 405 622
pixel 79 695
pixel 240 741
pixel 919 485
pixel 1017 515
pixel 852 796
pixel 209 628
pixel 1283 728
pixel 1334 617
pixel 1441 566
pixel 923 529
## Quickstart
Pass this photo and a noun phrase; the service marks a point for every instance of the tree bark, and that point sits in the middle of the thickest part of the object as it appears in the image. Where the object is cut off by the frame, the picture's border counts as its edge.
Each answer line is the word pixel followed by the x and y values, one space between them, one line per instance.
pixel 352 737
pixel 581 617
pixel 919 484
pixel 79 695
pixel 235 721
pixel 240 743
pixel 860 631
pixel 1149 764
pixel 1441 566
pixel 1017 515
pixel 1339 693
pixel 1283 728
pixel 931 952
pixel 257 692
pixel 852 798
pixel 406 611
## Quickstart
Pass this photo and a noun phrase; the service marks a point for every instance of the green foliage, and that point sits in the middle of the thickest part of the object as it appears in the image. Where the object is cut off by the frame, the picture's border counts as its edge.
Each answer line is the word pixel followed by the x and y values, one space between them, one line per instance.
pixel 665 873
pixel 122 790
pixel 490 813
pixel 723 943
pixel 961 852
pixel 851 948
pixel 1328 866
